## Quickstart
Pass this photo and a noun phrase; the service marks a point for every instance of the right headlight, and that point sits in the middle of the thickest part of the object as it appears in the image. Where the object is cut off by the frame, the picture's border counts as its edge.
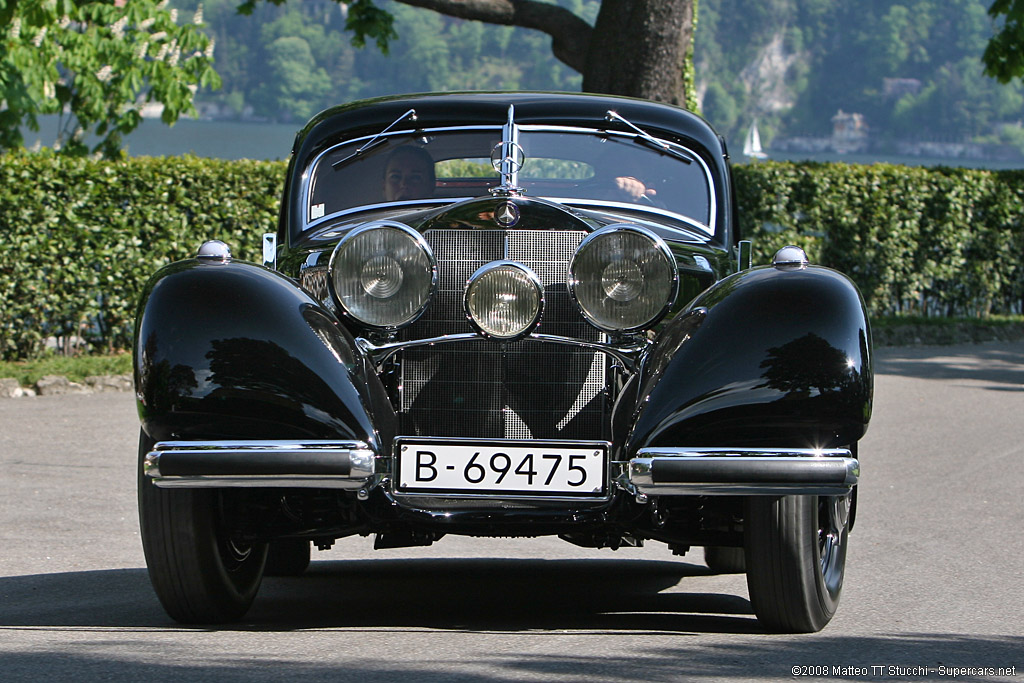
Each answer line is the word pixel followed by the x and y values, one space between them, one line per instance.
pixel 383 274
pixel 623 277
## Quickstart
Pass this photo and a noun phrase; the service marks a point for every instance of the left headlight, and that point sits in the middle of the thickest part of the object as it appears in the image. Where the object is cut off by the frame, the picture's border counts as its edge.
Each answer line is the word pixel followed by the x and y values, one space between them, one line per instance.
pixel 383 274
pixel 623 278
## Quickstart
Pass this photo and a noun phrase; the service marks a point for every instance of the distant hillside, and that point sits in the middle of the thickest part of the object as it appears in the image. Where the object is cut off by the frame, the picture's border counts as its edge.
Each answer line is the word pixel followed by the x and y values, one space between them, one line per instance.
pixel 910 70
pixel 901 72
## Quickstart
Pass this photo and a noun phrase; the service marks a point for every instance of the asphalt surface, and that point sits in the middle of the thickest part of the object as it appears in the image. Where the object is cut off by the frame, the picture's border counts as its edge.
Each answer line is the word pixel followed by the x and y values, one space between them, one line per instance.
pixel 933 585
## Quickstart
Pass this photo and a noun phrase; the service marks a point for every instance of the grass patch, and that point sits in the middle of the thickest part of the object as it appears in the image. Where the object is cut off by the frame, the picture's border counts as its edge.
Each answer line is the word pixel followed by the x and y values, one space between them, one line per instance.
pixel 75 368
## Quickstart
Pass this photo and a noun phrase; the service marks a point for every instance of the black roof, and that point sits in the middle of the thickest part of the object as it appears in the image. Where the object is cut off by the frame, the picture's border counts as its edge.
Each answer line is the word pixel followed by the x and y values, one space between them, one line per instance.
pixel 367 117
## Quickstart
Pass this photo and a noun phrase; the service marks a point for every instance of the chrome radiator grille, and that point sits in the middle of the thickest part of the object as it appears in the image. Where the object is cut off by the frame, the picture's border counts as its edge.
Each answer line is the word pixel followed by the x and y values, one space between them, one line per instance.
pixel 489 390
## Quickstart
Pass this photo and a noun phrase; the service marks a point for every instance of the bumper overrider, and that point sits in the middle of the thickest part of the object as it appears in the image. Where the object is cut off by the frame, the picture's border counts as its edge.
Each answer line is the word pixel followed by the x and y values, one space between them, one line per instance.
pixel 746 471
pixel 266 463
pixel 653 472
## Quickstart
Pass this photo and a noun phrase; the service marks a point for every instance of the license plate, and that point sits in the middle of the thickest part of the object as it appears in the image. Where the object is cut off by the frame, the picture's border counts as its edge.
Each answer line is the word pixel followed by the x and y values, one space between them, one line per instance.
pixel 547 468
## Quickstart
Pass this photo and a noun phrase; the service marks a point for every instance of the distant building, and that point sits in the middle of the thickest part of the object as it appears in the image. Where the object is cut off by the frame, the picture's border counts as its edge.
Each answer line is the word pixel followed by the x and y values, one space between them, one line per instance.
pixel 895 88
pixel 849 133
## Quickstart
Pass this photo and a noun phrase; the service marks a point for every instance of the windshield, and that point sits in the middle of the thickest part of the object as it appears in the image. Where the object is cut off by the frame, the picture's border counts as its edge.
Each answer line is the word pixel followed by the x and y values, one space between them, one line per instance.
pixel 565 165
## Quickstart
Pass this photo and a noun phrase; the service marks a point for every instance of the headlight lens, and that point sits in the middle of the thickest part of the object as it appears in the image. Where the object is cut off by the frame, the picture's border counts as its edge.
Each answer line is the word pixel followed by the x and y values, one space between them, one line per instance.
pixel 504 300
pixel 383 274
pixel 623 278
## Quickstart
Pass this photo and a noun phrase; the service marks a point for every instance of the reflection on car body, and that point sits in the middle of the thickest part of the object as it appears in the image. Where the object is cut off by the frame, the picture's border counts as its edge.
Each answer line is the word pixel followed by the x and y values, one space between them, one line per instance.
pixel 502 314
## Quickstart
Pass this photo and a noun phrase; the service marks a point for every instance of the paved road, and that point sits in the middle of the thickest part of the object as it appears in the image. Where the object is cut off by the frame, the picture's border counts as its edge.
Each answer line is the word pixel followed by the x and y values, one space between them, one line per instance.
pixel 934 577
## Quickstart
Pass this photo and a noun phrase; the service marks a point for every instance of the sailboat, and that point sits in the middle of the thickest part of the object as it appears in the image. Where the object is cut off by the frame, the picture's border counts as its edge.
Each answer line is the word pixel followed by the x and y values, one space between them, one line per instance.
pixel 752 144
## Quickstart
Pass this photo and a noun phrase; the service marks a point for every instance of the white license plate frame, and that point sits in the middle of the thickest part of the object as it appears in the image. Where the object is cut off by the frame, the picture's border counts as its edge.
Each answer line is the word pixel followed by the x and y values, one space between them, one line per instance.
pixel 501 467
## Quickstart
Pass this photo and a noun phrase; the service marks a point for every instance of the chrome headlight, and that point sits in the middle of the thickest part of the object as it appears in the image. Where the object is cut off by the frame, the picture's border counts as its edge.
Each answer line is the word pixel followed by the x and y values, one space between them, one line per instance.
pixel 623 278
pixel 383 274
pixel 504 300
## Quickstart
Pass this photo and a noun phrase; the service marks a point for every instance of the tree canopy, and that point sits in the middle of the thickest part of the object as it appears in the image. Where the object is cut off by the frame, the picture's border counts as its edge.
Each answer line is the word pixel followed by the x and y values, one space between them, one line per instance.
pixel 639 48
pixel 96 64
pixel 1004 55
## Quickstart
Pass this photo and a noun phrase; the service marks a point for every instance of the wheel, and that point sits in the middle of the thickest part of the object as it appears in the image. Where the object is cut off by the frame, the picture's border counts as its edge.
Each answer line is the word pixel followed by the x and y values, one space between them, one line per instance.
pixel 287 557
pixel 724 560
pixel 199 574
pixel 796 558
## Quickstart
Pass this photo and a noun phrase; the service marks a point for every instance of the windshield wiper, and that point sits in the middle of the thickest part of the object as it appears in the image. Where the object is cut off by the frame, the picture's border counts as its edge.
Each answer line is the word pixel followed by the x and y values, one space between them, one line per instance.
pixel 376 140
pixel 648 140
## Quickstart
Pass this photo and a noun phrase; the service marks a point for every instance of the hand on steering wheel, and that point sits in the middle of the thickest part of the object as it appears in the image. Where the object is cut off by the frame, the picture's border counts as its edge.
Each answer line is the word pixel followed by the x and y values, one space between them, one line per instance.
pixel 634 189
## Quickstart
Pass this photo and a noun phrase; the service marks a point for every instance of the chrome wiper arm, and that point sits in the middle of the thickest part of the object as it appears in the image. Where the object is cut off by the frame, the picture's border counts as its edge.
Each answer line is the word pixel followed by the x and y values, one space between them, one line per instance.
pixel 647 139
pixel 376 139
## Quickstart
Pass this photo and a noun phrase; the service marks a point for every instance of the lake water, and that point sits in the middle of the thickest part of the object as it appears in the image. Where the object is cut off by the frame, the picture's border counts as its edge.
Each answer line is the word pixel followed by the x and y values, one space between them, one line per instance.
pixel 216 139
pixel 241 140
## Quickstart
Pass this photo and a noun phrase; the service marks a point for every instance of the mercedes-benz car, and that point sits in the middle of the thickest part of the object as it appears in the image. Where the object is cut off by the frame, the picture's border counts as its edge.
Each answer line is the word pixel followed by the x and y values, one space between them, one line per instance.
pixel 501 315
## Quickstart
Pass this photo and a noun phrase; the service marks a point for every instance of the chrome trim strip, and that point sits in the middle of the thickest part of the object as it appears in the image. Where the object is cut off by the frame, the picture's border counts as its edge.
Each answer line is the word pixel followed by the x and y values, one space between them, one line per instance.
pixel 261 463
pixel 627 353
pixel 218 482
pixel 742 471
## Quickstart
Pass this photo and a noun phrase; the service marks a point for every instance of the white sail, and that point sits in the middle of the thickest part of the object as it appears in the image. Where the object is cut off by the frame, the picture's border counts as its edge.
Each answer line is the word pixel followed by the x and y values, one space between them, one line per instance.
pixel 752 144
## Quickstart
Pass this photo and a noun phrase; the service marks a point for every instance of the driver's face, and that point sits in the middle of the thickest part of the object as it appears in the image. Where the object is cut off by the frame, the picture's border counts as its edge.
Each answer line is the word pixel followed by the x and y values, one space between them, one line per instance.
pixel 407 177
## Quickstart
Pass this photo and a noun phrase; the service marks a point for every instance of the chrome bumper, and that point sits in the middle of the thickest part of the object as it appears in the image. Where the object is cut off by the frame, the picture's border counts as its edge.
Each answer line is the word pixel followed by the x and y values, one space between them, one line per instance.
pixel 743 471
pixel 278 464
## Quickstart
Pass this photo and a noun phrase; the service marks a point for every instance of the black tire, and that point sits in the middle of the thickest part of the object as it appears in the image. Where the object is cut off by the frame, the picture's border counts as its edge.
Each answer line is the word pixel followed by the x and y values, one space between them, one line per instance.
pixel 287 557
pixel 796 559
pixel 199 575
pixel 724 560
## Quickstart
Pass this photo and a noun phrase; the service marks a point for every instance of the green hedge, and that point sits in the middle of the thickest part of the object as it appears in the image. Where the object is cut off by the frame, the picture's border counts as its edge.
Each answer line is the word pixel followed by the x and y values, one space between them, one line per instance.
pixel 79 238
pixel 917 241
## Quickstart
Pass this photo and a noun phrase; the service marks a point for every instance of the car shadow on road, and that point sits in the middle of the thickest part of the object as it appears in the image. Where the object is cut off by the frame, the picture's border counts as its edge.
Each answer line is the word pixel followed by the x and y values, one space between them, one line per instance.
pixel 1000 365
pixel 459 594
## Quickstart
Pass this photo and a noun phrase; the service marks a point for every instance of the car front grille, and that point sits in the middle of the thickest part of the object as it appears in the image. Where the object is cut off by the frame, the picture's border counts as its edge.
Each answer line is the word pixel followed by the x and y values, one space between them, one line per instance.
pixel 485 389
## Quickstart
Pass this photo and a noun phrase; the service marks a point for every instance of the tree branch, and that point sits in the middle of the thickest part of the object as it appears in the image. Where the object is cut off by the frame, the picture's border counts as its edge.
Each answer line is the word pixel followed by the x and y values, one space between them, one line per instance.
pixel 570 35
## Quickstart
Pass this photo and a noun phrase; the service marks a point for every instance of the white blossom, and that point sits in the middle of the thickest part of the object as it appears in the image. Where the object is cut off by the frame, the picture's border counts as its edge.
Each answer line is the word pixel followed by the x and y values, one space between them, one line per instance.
pixel 16 28
pixel 208 53
pixel 172 61
pixel 64 22
pixel 146 23
pixel 104 74
pixel 163 53
pixel 197 18
pixel 174 16
pixel 141 49
pixel 49 90
pixel 117 28
pixel 159 35
pixel 38 40
pixel 162 5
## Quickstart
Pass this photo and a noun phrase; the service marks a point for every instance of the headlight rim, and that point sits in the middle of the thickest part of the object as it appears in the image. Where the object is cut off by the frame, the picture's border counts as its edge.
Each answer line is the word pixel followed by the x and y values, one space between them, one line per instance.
pixel 572 281
pixel 420 242
pixel 494 265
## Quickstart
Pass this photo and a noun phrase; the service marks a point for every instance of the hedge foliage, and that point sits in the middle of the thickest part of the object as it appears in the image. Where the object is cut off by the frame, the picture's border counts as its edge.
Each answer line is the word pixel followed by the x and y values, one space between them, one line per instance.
pixel 917 241
pixel 79 238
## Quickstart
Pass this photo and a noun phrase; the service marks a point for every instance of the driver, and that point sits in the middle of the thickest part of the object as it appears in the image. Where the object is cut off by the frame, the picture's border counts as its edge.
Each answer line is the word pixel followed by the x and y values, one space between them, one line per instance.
pixel 409 174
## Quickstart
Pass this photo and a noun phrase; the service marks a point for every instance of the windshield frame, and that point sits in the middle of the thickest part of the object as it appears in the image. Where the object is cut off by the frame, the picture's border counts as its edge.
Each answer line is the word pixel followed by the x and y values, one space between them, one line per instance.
pixel 313 169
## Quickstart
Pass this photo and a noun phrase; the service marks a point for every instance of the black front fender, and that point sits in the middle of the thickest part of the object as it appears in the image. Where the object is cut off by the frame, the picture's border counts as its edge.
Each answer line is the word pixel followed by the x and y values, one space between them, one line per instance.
pixel 232 350
pixel 766 357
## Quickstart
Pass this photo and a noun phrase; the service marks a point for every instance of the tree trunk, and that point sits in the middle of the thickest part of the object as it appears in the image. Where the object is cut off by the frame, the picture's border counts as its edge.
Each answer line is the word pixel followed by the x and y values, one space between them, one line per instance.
pixel 639 49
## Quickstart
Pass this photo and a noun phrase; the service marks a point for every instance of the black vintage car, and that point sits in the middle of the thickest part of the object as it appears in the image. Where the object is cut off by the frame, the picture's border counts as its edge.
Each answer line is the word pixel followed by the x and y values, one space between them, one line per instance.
pixel 500 314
